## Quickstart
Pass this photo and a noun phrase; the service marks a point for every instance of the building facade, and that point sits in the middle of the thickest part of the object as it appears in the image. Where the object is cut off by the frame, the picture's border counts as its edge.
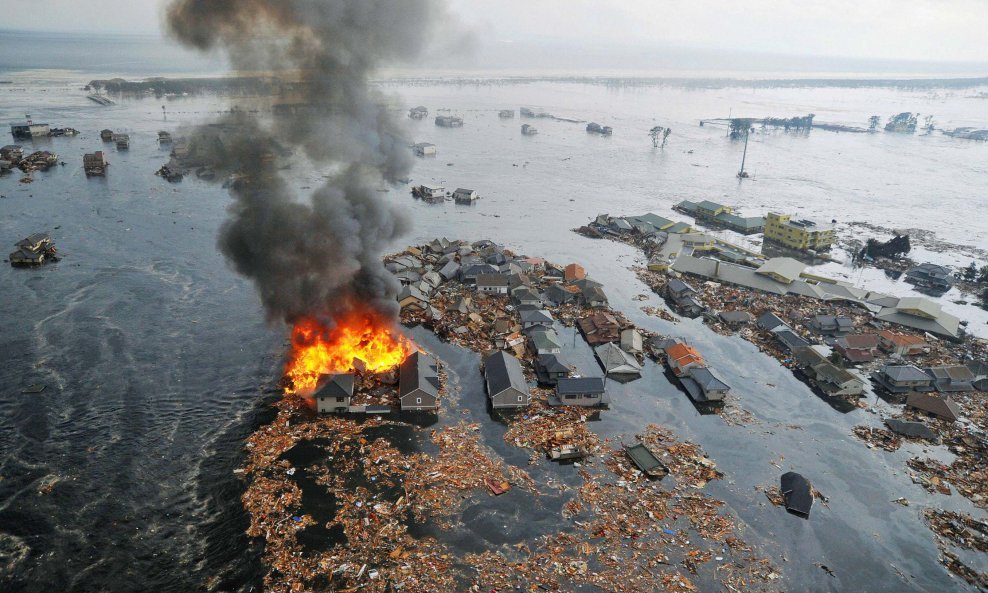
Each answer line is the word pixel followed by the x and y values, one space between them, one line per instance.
pixel 801 235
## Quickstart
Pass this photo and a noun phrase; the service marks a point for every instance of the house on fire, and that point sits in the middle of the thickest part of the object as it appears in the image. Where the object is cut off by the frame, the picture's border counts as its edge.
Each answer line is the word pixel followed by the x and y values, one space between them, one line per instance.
pixel 506 386
pixel 333 393
pixel 418 382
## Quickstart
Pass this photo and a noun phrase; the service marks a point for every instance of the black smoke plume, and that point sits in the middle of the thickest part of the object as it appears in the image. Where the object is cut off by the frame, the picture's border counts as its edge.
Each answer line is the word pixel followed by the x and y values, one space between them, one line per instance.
pixel 319 254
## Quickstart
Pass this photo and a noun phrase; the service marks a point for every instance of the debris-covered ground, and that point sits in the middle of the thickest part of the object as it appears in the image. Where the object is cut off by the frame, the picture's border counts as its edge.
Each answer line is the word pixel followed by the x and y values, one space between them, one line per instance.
pixel 618 531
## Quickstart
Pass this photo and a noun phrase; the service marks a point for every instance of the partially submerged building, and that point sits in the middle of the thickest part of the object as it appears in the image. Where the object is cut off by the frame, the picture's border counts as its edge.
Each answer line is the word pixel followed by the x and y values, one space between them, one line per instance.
pixel 29 130
pixel 800 235
pixel 33 250
pixel 465 196
pixel 549 368
pixel 682 357
pixel 506 386
pixel 703 385
pixel 579 391
pixel 939 406
pixel 333 393
pixel 901 344
pixel 902 379
pixel 424 149
pixel 94 164
pixel 931 276
pixel 616 361
pixel 951 378
pixel 449 121
pixel 721 216
pixel 418 382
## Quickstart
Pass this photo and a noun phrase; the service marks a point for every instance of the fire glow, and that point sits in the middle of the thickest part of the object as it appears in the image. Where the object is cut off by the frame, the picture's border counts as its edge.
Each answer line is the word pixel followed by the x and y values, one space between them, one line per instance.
pixel 360 334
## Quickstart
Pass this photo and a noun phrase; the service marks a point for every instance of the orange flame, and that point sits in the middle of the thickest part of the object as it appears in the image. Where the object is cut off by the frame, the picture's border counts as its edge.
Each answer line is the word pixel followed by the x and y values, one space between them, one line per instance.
pixel 361 334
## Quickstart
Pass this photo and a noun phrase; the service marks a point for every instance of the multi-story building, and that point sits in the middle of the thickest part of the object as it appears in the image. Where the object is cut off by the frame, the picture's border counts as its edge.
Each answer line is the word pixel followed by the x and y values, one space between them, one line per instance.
pixel 801 235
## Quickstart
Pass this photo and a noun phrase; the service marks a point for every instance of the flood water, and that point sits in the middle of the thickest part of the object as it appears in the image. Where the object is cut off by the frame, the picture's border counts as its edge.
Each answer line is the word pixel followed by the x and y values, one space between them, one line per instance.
pixel 157 360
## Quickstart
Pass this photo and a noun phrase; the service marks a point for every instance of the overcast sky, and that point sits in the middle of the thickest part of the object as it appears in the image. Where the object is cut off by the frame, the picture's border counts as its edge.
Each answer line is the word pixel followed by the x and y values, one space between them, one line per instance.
pixel 939 30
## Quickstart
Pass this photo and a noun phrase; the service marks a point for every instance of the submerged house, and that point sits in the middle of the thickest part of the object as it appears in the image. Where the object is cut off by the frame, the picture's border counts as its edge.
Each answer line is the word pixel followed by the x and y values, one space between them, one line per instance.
pixel 930 276
pixel 704 386
pixel 579 391
pixel 836 381
pixel 418 382
pixel 333 393
pixel 829 325
pixel 951 378
pixel 681 358
pixel 465 196
pixel 902 379
pixel 449 121
pixel 857 348
pixel 424 149
pixel 506 386
pixel 616 361
pixel 901 344
pixel 940 406
pixel 549 368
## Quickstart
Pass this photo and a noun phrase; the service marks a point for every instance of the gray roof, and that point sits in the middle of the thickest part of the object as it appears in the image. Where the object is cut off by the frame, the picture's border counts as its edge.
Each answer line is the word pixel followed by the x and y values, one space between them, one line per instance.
pixel 945 324
pixel 707 380
pixel 951 373
pixel 450 270
pixel 545 340
pixel 831 373
pixel 790 339
pixel 536 316
pixel 735 316
pixel 418 371
pixel 770 321
pixel 335 386
pixel 580 385
pixel 786 267
pixel 552 363
pixel 905 373
pixel 911 429
pixel 677 286
pixel 411 291
pixel 492 280
pixel 503 372
pixel 615 360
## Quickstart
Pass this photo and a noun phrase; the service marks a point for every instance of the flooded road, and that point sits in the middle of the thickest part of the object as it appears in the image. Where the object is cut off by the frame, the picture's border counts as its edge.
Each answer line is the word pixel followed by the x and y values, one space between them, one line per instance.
pixel 157 360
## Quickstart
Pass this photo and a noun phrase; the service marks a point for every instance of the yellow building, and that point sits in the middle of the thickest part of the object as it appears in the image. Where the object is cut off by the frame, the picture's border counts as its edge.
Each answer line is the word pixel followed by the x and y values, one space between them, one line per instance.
pixel 802 235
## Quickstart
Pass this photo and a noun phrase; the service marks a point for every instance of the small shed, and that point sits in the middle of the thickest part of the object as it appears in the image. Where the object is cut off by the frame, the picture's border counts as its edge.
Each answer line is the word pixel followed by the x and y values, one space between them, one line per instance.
pixel 631 341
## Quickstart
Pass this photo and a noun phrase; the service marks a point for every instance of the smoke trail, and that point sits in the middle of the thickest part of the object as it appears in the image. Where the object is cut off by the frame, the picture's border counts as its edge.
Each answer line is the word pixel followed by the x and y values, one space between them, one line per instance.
pixel 316 255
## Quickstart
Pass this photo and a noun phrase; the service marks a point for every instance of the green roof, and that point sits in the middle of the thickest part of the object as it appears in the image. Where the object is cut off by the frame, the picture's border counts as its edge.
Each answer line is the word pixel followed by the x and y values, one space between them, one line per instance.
pixel 679 227
pixel 708 205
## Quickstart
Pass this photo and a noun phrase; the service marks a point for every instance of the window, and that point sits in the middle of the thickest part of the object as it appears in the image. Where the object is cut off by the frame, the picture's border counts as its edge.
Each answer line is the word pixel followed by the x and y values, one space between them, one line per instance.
pixel 418 400
pixel 340 400
pixel 520 398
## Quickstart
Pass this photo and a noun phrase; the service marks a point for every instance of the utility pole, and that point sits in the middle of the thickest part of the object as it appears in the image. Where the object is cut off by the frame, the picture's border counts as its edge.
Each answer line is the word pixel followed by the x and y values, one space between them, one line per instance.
pixel 744 155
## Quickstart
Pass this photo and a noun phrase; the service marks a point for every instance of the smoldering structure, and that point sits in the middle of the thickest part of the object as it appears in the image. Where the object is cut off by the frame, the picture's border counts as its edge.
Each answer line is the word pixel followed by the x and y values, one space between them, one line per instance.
pixel 315 255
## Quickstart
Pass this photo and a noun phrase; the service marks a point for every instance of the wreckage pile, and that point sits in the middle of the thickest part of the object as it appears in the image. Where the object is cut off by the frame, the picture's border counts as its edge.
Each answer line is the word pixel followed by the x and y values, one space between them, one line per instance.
pixel 41 160
pixel 878 437
pixel 960 531
pixel 543 428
